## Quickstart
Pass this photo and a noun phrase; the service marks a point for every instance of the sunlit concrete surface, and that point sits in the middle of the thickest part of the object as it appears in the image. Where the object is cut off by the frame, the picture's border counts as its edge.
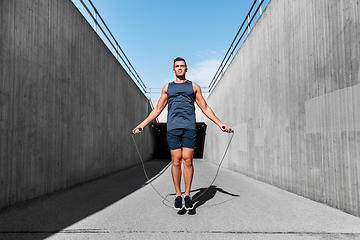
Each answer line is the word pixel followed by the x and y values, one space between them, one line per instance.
pixel 292 94
pixel 124 206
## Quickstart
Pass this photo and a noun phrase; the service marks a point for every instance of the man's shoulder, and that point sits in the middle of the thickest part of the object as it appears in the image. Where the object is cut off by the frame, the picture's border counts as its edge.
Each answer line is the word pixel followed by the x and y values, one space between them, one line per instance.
pixel 195 85
pixel 165 87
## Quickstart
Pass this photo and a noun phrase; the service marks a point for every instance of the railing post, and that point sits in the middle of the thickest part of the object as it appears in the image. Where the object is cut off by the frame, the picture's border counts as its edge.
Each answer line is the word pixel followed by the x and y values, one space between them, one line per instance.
pixel 117 55
pixel 95 21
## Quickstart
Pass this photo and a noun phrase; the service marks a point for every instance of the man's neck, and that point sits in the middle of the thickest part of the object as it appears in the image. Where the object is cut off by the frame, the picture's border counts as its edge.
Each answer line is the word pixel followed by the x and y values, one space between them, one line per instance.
pixel 181 79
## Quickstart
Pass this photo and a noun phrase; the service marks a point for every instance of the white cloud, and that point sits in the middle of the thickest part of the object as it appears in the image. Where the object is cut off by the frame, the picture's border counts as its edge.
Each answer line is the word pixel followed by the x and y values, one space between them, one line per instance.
pixel 203 72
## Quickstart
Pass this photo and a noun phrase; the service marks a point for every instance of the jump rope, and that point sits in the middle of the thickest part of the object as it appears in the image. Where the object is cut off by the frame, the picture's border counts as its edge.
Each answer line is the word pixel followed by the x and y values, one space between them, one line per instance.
pixel 197 197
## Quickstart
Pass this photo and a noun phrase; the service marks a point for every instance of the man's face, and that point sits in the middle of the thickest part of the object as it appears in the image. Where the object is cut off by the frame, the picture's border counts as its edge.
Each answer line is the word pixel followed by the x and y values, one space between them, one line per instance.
pixel 180 68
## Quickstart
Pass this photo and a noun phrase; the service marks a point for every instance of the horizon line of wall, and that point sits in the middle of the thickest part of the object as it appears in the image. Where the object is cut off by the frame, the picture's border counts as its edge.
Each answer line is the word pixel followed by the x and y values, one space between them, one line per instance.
pixel 292 95
pixel 65 112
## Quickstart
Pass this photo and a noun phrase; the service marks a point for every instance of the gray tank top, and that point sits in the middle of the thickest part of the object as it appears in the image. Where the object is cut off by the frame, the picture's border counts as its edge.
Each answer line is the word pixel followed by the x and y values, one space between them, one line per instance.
pixel 181 109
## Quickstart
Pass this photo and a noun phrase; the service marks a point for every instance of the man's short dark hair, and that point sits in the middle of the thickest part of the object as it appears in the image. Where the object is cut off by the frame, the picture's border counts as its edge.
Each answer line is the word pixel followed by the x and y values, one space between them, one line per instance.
pixel 179 59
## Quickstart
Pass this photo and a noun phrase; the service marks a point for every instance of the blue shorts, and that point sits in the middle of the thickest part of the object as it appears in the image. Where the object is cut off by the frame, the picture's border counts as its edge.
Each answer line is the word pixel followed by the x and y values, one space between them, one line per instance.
pixel 178 138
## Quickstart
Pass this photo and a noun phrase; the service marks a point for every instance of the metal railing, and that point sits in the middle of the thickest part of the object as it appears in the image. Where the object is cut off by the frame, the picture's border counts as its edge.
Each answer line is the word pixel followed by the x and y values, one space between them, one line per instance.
pixel 116 47
pixel 234 47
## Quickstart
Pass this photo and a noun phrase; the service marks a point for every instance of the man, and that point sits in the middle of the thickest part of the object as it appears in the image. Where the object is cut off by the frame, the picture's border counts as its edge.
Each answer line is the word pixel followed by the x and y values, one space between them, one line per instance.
pixel 180 96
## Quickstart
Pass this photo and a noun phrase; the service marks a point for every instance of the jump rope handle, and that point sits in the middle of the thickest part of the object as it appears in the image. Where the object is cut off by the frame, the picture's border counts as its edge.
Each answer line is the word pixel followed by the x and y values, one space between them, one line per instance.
pixel 232 131
pixel 140 129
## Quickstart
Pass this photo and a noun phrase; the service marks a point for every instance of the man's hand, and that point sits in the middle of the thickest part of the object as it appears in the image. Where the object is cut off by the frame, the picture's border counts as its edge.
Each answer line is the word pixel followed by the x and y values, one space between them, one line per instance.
pixel 137 130
pixel 226 128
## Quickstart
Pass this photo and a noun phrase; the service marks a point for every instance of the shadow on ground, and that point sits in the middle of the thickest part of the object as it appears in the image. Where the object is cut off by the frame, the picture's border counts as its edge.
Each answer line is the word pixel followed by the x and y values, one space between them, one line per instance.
pixel 42 217
pixel 205 194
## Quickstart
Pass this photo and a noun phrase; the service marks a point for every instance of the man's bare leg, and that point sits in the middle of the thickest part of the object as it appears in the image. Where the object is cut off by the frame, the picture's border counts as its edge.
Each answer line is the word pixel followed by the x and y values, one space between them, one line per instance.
pixel 176 158
pixel 187 155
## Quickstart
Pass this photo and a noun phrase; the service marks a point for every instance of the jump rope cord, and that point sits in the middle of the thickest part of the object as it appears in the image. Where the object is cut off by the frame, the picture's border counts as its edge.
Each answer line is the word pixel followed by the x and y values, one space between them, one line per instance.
pixel 197 197
pixel 143 166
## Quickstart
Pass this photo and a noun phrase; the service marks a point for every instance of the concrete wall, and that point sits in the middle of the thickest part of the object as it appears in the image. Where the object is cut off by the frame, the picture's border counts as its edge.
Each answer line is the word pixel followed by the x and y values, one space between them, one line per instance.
pixel 67 105
pixel 292 94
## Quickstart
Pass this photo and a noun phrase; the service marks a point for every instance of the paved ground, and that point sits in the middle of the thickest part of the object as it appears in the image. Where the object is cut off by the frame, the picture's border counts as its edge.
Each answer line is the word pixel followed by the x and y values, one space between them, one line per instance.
pixel 122 206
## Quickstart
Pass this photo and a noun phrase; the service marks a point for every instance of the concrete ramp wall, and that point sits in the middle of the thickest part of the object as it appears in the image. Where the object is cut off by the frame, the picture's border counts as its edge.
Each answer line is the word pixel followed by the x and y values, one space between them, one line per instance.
pixel 292 94
pixel 67 105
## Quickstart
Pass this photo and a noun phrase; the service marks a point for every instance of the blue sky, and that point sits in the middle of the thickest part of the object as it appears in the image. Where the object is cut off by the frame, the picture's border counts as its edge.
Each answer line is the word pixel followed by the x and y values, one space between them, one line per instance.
pixel 153 33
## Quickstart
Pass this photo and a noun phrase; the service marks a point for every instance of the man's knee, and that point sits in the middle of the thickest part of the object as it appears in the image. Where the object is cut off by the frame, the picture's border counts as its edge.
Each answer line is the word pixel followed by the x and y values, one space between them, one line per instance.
pixel 188 162
pixel 176 162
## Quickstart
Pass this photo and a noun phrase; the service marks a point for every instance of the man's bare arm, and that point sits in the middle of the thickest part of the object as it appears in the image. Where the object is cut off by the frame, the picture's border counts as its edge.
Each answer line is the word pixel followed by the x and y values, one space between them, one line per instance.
pixel 200 101
pixel 155 112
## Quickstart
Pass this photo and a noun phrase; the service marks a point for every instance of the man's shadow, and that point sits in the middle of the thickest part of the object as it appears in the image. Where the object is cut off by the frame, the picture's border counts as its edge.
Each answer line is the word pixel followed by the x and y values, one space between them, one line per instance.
pixel 202 196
